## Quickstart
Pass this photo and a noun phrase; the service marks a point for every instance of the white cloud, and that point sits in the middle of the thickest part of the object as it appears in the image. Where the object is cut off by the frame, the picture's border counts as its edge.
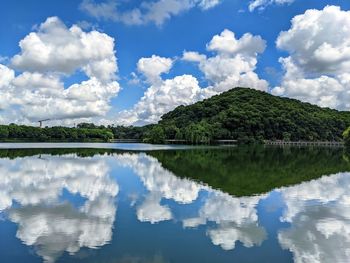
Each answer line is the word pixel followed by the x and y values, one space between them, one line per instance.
pixel 56 48
pixel 207 4
pixel 156 12
pixel 317 69
pixel 262 4
pixel 106 10
pixel 193 56
pixel 49 55
pixel 319 41
pixel 153 67
pixel 161 98
pixel 226 42
pixel 232 65
pixel 6 76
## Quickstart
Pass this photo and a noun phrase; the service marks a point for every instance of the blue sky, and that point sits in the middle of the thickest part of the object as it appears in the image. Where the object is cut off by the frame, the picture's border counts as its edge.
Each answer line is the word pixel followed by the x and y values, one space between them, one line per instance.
pixel 190 29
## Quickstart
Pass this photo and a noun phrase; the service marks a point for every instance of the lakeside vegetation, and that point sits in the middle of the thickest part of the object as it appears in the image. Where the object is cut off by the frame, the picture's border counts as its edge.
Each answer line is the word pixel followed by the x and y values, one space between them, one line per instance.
pixel 84 132
pixel 242 114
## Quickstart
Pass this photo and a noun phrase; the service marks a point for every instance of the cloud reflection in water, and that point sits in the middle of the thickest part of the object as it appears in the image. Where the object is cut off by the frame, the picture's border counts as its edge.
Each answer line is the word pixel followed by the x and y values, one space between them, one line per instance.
pixel 32 195
pixel 44 221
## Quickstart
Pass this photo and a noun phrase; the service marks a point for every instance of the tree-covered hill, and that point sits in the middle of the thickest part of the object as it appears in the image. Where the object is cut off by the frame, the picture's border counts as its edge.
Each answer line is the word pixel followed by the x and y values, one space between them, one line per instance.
pixel 249 115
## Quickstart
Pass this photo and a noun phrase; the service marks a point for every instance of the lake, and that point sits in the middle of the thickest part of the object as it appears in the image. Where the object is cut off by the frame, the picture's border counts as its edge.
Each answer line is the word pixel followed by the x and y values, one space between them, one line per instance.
pixel 137 203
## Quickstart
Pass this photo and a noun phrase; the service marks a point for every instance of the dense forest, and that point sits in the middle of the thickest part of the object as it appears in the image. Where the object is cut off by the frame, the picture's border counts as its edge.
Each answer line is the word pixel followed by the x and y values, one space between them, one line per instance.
pixel 241 114
pixel 249 115
pixel 83 132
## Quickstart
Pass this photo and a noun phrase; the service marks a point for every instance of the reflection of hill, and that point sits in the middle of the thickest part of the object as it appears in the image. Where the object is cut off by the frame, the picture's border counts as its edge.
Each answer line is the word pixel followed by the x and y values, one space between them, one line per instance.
pixel 228 219
pixel 246 171
pixel 239 171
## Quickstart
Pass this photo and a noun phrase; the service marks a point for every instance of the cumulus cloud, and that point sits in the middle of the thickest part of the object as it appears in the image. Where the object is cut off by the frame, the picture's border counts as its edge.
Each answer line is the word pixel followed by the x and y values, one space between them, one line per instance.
pixel 160 98
pixel 226 43
pixel 49 55
pixel 318 40
pixel 317 69
pixel 6 76
pixel 193 56
pixel 153 67
pixel 232 65
pixel 156 12
pixel 262 4
pixel 56 48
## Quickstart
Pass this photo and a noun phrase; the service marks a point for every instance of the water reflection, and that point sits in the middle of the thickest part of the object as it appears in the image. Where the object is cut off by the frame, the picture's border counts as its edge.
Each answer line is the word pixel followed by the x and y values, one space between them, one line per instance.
pixel 235 218
pixel 62 204
pixel 44 221
pixel 319 214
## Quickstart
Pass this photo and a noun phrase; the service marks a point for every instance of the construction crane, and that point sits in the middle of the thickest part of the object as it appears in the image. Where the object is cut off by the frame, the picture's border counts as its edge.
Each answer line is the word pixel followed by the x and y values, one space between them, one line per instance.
pixel 41 122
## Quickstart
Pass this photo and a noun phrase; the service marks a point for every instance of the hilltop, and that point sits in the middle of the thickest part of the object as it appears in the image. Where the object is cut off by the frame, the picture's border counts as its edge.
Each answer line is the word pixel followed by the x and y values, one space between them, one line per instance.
pixel 249 115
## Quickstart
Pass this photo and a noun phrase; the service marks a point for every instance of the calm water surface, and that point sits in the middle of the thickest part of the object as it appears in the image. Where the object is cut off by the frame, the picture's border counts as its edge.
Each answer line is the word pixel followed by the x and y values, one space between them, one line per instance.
pixel 183 204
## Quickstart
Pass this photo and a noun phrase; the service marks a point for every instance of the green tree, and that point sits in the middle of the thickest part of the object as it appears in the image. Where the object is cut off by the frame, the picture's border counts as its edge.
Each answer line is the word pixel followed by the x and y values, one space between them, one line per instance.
pixel 199 133
pixel 4 132
pixel 286 136
pixel 156 135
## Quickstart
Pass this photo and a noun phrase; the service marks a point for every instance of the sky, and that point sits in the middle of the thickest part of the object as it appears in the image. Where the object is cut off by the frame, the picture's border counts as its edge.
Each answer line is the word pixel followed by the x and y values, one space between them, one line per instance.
pixel 128 62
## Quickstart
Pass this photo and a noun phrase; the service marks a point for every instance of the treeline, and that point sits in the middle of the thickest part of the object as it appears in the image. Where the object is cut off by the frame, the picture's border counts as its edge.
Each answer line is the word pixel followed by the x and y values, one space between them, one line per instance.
pixel 132 132
pixel 83 132
pixel 248 116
